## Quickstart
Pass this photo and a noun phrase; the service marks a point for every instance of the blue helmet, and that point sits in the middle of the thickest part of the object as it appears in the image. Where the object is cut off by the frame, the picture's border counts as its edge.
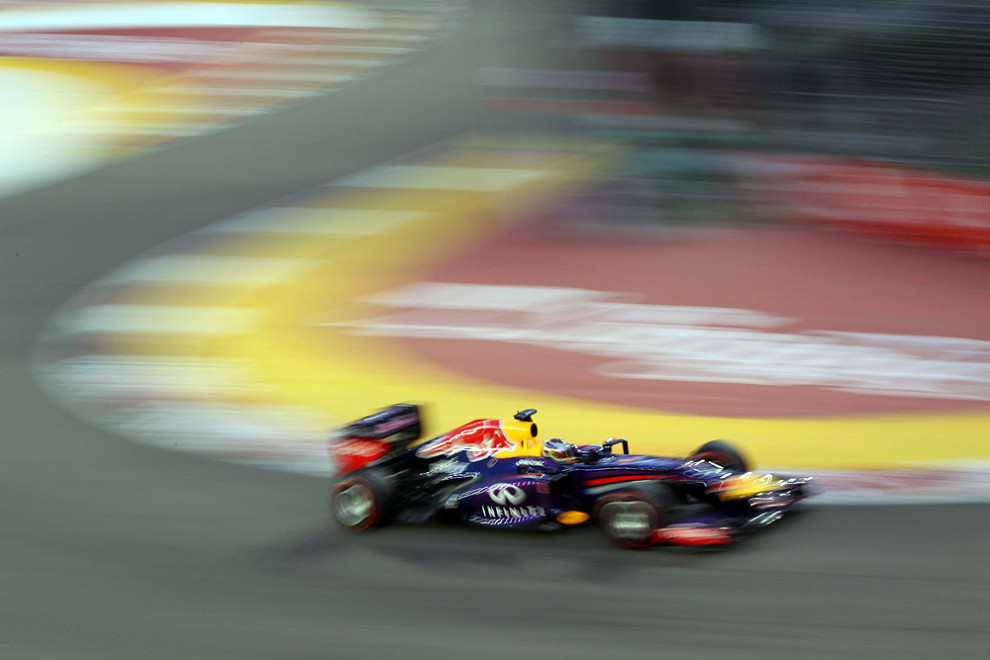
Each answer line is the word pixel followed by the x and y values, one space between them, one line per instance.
pixel 560 450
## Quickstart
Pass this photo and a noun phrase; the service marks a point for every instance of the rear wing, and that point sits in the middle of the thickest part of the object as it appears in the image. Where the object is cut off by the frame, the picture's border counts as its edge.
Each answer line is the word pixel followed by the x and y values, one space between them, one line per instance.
pixel 399 424
pixel 375 436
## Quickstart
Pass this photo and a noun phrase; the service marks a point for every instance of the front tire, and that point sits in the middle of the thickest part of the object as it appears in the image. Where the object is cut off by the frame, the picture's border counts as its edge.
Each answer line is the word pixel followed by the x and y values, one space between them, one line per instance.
pixel 629 518
pixel 722 453
pixel 361 501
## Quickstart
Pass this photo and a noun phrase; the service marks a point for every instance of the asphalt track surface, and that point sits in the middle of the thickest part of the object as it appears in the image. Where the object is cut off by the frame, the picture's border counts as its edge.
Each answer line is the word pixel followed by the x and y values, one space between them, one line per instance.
pixel 114 550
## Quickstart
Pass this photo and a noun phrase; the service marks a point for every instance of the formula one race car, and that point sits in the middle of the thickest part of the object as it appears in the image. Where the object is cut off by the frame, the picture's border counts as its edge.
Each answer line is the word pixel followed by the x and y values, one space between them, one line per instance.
pixel 495 473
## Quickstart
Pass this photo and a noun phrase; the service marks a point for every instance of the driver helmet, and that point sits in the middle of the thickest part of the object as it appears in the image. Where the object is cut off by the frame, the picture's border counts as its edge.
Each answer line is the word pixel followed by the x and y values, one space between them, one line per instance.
pixel 560 450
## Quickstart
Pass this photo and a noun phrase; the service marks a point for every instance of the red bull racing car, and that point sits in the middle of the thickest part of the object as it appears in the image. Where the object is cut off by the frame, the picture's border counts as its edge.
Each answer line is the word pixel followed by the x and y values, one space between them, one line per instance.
pixel 495 473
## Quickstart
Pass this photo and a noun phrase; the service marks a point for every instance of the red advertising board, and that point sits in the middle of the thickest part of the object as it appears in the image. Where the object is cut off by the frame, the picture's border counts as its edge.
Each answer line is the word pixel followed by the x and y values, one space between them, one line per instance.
pixel 882 200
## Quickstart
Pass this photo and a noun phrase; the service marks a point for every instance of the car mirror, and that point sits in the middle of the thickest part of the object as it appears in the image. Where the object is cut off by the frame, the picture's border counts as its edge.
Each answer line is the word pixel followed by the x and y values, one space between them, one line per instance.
pixel 611 442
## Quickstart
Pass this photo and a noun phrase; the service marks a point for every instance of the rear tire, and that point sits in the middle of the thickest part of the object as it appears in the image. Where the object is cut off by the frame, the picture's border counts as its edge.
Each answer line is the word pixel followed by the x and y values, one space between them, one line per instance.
pixel 628 518
pixel 722 453
pixel 361 500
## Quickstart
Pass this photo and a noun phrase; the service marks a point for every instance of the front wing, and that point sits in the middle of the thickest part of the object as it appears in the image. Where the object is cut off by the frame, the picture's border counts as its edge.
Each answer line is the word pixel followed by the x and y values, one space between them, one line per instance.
pixel 718 528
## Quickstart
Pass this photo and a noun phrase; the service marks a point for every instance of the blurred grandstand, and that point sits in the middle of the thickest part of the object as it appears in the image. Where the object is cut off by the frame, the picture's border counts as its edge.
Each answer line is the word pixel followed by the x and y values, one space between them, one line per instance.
pixel 694 83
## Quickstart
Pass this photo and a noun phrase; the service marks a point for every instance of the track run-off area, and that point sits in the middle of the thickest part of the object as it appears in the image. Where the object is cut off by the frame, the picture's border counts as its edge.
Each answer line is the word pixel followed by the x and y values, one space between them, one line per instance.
pixel 249 338
pixel 241 329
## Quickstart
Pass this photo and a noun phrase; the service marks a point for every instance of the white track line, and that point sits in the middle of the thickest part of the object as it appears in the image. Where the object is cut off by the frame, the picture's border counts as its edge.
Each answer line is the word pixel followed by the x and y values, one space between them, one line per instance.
pixel 209 269
pixel 106 376
pixel 318 221
pixel 323 76
pixel 423 177
pixel 161 320
pixel 188 14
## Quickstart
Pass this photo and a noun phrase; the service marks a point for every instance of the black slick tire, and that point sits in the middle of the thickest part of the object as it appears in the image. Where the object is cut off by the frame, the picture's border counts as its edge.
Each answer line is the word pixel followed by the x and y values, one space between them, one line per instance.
pixel 722 453
pixel 361 500
pixel 628 518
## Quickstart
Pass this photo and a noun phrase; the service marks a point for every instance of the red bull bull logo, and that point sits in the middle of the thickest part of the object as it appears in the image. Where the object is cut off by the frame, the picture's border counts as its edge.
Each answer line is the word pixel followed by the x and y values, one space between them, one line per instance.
pixel 480 439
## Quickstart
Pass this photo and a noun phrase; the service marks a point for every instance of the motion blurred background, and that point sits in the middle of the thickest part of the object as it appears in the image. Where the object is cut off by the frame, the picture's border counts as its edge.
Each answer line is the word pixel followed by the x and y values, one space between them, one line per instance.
pixel 865 114
pixel 167 167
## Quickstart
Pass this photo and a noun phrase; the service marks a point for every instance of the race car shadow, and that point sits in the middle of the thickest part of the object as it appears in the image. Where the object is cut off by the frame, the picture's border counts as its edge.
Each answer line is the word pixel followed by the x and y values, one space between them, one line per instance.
pixel 440 546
